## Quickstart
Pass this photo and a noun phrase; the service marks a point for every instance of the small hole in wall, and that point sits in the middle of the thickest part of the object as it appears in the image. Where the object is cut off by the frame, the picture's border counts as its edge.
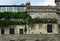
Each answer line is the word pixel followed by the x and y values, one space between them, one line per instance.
pixel 59 31
pixel 12 40
pixel 37 40
pixel 40 33
pixel 22 40
pixel 32 32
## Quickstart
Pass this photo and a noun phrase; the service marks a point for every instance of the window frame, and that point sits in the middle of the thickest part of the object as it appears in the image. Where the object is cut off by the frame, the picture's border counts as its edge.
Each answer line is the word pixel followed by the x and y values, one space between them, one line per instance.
pixel 12 30
pixel 2 30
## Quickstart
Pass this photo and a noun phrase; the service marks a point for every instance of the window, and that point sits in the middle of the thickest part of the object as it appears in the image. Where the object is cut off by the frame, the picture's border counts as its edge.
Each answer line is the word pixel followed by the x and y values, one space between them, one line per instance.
pixel 49 28
pixel 40 15
pixel 58 17
pixel 59 26
pixel 32 15
pixel 24 8
pixel 40 25
pixel 2 9
pixel 12 19
pixel 2 31
pixel 11 30
pixel 5 9
pixel 21 9
pixel 58 3
pixel 32 27
pixel 14 9
pixel 10 9
pixel 49 15
pixel 2 18
pixel 21 31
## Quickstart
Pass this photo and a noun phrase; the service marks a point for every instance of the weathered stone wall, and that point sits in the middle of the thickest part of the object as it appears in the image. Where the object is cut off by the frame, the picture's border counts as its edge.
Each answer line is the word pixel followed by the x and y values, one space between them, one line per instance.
pixel 43 29
pixel 31 37
pixel 35 30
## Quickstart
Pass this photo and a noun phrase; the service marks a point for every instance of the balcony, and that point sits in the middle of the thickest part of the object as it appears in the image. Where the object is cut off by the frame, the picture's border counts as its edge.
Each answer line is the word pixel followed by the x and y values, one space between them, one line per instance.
pixel 44 20
pixel 41 10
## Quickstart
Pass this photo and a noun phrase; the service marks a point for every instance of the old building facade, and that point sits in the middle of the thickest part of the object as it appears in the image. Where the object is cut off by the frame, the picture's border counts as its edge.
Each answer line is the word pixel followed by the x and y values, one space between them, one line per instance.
pixel 46 30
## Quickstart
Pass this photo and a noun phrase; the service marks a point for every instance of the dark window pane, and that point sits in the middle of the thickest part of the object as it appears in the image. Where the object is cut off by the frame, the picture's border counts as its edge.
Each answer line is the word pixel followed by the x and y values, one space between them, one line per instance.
pixel 11 30
pixel 21 31
pixel 32 27
pixel 49 28
pixel 2 31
